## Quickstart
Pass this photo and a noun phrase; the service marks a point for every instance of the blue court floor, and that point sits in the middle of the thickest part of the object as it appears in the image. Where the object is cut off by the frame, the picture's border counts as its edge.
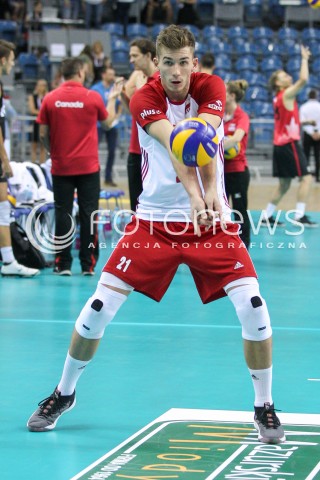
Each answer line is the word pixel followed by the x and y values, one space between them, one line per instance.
pixel 153 357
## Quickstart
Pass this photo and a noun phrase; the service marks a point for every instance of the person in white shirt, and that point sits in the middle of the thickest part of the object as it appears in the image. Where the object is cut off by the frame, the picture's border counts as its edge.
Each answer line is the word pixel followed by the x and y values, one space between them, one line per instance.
pixel 310 121
pixel 183 217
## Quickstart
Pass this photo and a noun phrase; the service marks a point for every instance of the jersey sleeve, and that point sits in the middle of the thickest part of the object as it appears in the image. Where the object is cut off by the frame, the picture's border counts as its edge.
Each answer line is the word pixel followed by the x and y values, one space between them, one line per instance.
pixel 243 122
pixel 146 107
pixel 211 95
pixel 102 112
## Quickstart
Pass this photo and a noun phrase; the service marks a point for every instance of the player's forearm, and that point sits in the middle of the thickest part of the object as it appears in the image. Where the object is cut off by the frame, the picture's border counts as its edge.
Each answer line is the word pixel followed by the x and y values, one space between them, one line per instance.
pixel 304 71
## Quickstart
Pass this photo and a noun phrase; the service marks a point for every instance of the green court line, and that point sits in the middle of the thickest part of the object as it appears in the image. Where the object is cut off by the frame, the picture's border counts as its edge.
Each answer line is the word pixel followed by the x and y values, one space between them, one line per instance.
pixel 148 324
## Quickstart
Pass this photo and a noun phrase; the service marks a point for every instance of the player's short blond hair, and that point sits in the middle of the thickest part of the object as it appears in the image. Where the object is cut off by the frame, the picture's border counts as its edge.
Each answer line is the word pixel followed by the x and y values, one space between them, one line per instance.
pixel 175 37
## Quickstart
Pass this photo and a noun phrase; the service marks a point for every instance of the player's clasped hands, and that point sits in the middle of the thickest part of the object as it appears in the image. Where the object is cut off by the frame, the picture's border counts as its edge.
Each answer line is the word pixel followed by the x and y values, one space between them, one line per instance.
pixel 205 212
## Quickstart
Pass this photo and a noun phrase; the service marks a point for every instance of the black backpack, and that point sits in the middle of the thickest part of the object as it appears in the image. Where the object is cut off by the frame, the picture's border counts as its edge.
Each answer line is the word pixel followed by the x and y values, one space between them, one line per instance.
pixel 24 252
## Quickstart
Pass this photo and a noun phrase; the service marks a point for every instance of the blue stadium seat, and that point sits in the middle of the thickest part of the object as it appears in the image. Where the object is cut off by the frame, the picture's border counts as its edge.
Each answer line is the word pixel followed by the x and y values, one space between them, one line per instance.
pixel 289 49
pixel 247 48
pixel 248 108
pixel 137 30
pixel 247 62
pixel 313 81
pixel 221 73
pixel 302 96
pixel 193 29
pixel 310 35
pixel 8 30
pixel 262 134
pixel 236 32
pixel 212 42
pixel 29 65
pixel 119 44
pixel 45 66
pixel 288 33
pixel 263 109
pixel 315 50
pixel 230 76
pixel 257 94
pixel 255 79
pixel 212 31
pixel 113 28
pixel 262 32
pixel 271 50
pixel 223 62
pixel 222 47
pixel 119 57
pixel 156 29
pixel 271 64
pixel 293 65
pixel 315 67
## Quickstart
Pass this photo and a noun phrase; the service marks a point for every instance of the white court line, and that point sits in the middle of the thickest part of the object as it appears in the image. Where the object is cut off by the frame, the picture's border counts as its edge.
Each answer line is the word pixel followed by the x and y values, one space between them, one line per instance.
pixel 314 379
pixel 314 472
pixel 149 324
pixel 226 463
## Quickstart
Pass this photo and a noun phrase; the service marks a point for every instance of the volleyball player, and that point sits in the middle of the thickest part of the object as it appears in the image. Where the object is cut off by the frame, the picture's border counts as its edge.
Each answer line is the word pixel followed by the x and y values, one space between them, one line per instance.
pixel 177 207
pixel 289 160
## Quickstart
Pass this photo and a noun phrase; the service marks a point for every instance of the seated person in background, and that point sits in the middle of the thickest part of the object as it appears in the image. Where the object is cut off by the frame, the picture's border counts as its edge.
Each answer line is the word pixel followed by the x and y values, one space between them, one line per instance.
pixel 187 13
pixel 157 11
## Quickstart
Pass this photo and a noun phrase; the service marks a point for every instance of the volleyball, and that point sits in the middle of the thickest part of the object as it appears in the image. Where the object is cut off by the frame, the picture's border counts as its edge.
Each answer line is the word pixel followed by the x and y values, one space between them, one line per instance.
pixel 194 142
pixel 314 3
pixel 233 151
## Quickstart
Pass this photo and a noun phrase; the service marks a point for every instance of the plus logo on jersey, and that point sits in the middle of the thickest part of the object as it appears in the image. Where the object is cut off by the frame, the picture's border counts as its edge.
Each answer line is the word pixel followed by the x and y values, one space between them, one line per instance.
pixel 216 106
pixel 145 113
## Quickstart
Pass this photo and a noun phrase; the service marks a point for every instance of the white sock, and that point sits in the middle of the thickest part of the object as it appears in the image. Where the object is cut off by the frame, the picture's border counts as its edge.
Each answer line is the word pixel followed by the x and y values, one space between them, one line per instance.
pixel 262 381
pixel 300 210
pixel 72 371
pixel 7 254
pixel 271 208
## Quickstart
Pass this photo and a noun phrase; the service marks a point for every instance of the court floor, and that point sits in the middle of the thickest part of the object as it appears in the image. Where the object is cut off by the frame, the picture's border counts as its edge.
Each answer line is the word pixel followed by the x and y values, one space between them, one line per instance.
pixel 153 357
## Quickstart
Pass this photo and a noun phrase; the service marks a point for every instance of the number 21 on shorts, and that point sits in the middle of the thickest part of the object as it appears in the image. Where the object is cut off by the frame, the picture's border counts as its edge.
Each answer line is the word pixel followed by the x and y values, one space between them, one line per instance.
pixel 124 264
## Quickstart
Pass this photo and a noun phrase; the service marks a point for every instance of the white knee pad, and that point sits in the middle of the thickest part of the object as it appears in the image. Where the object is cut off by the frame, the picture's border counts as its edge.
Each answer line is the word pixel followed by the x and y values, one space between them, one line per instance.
pixel 252 312
pixel 99 310
pixel 4 214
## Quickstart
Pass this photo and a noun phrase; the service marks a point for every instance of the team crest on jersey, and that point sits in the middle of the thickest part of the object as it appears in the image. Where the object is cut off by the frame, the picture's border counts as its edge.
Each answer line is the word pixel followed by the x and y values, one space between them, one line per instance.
pixel 145 113
pixel 216 106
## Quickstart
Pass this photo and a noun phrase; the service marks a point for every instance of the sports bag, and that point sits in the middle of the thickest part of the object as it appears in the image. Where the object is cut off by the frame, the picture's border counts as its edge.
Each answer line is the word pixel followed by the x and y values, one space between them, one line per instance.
pixel 24 252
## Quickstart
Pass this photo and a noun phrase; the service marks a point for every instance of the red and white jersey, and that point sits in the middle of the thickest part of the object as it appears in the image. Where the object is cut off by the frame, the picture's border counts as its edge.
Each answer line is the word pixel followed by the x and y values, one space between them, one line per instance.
pixel 164 198
pixel 286 122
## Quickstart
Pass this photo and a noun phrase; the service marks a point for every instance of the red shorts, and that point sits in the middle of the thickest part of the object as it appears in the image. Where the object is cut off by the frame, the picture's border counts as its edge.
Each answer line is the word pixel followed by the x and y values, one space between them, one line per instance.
pixel 147 258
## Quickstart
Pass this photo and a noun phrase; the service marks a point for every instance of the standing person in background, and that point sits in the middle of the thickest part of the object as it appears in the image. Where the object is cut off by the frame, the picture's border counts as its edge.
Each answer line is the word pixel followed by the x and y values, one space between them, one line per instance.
pixel 68 118
pixel 236 171
pixel 207 63
pixel 34 104
pixel 98 57
pixel 111 134
pixel 289 160
pixel 10 266
pixel 93 12
pixel 142 53
pixel 310 121
pixel 123 13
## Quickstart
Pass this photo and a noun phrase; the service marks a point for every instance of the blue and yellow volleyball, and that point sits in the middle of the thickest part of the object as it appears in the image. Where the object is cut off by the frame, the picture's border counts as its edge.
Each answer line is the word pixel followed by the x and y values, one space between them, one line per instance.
pixel 194 142
pixel 232 152
pixel 314 3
